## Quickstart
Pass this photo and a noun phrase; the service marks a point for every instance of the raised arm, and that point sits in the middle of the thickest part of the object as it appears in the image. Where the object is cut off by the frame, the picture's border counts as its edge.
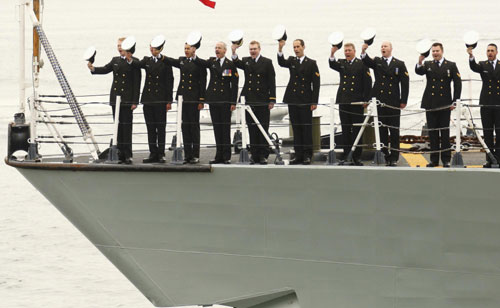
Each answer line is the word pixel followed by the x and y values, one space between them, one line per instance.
pixel 101 70
pixel 201 62
pixel 368 61
pixel 172 62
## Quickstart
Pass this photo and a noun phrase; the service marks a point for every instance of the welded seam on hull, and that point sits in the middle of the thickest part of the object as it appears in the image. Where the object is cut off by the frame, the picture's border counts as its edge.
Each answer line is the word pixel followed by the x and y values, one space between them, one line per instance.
pixel 299 260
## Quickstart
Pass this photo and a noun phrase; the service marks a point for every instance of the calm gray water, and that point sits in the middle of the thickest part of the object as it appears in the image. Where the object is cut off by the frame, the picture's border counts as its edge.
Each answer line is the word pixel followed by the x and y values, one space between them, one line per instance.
pixel 44 260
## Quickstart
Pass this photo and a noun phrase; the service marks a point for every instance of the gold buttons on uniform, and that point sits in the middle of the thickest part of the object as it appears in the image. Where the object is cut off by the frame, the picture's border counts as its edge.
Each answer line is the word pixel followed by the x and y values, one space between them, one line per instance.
pixel 189 88
pixel 123 75
pixel 343 89
pixel 114 89
pixel 390 92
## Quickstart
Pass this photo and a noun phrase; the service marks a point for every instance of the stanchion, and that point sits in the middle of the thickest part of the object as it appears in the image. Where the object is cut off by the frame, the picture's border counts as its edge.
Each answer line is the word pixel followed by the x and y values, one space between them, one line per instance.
pixel 33 146
pixel 237 134
pixel 279 159
pixel 177 157
pixel 113 157
pixel 494 162
pixel 373 111
pixel 244 158
pixel 332 158
pixel 358 137
pixel 457 160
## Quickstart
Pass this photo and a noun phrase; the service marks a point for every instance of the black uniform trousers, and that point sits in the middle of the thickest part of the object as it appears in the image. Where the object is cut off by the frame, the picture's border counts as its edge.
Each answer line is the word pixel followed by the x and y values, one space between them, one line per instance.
pixel 191 130
pixel 156 122
pixel 440 138
pixel 389 117
pixel 221 120
pixel 259 148
pixel 301 118
pixel 124 140
pixel 490 118
pixel 350 115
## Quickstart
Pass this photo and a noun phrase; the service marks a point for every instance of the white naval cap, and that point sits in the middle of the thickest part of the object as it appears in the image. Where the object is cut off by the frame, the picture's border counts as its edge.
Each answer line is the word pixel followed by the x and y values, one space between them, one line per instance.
pixel 336 39
pixel 194 39
pixel 89 54
pixel 158 42
pixel 129 44
pixel 471 38
pixel 279 33
pixel 368 35
pixel 424 47
pixel 236 37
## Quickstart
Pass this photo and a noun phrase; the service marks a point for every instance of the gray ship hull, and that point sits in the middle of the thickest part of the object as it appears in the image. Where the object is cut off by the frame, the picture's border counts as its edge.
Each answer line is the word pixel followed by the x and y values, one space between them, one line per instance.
pixel 278 236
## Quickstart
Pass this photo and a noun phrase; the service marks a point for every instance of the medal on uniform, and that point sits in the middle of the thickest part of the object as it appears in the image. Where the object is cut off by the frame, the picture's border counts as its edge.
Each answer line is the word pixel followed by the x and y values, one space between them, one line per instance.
pixel 449 75
pixel 397 70
pixel 226 73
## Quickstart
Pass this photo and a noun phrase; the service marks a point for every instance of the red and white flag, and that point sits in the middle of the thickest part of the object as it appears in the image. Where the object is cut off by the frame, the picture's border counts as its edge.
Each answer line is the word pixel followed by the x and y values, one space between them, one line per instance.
pixel 208 3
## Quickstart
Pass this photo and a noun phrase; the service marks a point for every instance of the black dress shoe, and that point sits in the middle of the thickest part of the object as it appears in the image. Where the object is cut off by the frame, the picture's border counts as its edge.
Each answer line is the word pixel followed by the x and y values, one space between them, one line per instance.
pixel 393 164
pixel 263 161
pixel 432 165
pixel 446 165
pixel 128 161
pixel 161 159
pixel 306 161
pixel 296 161
pixel 194 160
pixel 216 161
pixel 226 162
pixel 356 162
pixel 150 159
pixel 487 165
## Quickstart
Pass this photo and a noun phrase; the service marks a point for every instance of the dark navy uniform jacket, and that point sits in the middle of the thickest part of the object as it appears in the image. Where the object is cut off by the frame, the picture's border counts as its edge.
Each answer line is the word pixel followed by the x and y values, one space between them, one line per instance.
pixel 159 83
pixel 260 80
pixel 490 92
pixel 193 79
pixel 223 85
pixel 303 86
pixel 355 81
pixel 388 78
pixel 438 89
pixel 126 80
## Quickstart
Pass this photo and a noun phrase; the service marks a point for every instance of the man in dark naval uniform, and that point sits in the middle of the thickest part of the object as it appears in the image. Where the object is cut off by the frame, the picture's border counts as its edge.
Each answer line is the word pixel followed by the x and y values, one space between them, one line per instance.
pixel 157 98
pixel 355 86
pixel 127 84
pixel 192 88
pixel 301 95
pixel 489 98
pixel 391 88
pixel 260 93
pixel 437 95
pixel 221 95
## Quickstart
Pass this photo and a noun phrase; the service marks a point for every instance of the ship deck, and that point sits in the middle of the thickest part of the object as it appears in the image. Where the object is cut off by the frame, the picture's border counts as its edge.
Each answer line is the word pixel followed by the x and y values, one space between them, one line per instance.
pixel 472 159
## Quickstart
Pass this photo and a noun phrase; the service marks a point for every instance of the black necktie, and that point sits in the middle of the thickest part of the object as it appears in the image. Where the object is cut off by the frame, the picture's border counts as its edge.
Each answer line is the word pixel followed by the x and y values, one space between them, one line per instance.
pixel 298 59
pixel 255 60
pixel 437 62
